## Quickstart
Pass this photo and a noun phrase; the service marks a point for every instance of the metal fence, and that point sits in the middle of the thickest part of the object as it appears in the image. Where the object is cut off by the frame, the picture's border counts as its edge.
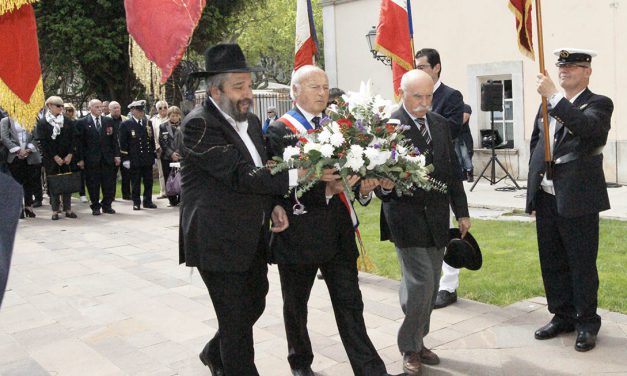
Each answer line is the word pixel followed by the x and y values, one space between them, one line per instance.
pixel 262 99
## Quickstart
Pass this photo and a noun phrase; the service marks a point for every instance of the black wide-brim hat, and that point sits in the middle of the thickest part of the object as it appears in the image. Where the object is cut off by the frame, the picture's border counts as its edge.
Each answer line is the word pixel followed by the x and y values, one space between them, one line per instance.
pixel 225 58
pixel 462 253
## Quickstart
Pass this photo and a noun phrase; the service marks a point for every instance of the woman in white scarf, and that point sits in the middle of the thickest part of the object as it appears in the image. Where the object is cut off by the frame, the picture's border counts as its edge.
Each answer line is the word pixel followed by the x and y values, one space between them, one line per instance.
pixel 57 136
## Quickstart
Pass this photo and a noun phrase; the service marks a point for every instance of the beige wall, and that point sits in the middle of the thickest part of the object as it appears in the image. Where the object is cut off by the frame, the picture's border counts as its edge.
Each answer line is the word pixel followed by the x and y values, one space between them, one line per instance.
pixel 481 32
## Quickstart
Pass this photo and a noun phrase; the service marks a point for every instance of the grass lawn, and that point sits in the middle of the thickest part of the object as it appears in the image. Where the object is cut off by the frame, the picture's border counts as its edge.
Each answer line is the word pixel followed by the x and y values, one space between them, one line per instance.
pixel 511 270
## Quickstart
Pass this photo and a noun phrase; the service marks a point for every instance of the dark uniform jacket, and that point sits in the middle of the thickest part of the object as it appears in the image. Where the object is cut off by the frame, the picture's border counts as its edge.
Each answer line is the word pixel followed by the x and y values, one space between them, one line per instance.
pixel 65 143
pixel 137 144
pixel 422 220
pixel 98 147
pixel 316 236
pixel 225 200
pixel 581 131
pixel 169 140
pixel 449 103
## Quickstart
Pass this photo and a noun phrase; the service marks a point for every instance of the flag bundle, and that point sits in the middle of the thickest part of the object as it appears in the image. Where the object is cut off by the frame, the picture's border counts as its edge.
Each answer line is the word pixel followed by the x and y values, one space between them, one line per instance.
pixel 522 12
pixel 394 38
pixel 306 42
pixel 163 29
pixel 21 88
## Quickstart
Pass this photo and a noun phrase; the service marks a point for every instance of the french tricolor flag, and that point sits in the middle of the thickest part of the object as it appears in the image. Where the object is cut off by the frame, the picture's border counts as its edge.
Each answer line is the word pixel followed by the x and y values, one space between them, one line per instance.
pixel 306 40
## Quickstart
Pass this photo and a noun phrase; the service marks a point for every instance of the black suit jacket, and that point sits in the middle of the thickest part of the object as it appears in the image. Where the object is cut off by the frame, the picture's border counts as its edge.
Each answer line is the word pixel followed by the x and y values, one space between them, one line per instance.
pixel 449 103
pixel 10 207
pixel 581 128
pixel 422 220
pixel 314 237
pixel 65 143
pixel 98 147
pixel 137 143
pixel 226 201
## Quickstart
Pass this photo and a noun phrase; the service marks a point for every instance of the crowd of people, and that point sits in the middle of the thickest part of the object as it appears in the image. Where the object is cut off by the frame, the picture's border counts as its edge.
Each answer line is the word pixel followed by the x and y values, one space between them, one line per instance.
pixel 101 148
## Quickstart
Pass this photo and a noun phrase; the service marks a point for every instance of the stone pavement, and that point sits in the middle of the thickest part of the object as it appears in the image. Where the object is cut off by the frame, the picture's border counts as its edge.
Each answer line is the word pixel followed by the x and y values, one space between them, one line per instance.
pixel 105 296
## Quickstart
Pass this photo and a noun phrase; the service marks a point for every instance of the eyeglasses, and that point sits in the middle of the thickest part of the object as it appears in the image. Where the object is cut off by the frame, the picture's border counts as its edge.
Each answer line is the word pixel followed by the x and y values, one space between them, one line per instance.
pixel 69 110
pixel 57 105
pixel 162 108
pixel 270 112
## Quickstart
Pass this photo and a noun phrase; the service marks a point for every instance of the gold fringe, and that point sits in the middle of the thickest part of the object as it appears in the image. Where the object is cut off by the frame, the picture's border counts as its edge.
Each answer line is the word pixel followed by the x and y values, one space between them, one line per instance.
pixel 7 6
pixel 146 71
pixel 24 113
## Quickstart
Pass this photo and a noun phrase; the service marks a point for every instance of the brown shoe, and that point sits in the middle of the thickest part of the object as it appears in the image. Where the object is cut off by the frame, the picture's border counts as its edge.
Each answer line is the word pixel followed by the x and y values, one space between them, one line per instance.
pixel 429 357
pixel 411 364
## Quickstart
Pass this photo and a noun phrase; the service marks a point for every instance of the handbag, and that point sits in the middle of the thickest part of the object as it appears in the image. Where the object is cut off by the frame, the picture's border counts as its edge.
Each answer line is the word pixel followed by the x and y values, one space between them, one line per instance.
pixel 173 184
pixel 63 183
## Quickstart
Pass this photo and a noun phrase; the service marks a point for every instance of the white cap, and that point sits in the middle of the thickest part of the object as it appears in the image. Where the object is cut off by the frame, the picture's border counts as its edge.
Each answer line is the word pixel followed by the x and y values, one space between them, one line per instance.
pixel 138 104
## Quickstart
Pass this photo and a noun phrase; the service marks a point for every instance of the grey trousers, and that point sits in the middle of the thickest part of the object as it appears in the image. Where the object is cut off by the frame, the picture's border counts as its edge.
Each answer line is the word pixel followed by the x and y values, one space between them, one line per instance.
pixel 420 268
pixel 55 202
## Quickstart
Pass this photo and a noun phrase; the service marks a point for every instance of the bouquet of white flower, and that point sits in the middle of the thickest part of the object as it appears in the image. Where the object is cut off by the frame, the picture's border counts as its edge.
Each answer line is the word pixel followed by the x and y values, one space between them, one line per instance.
pixel 358 138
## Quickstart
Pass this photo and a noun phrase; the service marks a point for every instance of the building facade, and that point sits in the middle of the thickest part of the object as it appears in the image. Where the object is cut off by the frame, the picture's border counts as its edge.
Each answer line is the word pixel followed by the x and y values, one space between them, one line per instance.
pixel 477 42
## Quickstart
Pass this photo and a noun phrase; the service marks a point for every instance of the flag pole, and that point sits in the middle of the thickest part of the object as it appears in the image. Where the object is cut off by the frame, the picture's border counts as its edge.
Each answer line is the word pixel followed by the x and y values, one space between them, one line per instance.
pixel 545 113
pixel 411 34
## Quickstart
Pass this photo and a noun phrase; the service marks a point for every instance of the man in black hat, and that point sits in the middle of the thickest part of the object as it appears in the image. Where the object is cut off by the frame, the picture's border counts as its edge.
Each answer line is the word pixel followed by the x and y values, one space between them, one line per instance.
pixel 567 205
pixel 226 205
pixel 137 148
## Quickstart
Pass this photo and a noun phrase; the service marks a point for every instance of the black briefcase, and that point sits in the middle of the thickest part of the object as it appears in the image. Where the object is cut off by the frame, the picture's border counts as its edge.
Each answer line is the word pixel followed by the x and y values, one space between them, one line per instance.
pixel 68 182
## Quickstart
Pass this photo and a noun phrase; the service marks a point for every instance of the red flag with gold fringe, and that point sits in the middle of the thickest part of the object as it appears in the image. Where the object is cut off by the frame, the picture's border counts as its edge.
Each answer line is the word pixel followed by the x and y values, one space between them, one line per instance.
pixel 522 12
pixel 21 88
pixel 163 29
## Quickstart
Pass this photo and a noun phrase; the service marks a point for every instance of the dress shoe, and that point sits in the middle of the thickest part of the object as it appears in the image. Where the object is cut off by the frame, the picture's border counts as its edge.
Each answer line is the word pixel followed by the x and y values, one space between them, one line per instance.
pixel 71 214
pixel 411 363
pixel 429 357
pixel 585 341
pixel 552 329
pixel 215 369
pixel 306 371
pixel 136 207
pixel 470 178
pixel 445 298
pixel 149 205
pixel 29 213
pixel 55 217
pixel 37 204
pixel 95 211
pixel 108 210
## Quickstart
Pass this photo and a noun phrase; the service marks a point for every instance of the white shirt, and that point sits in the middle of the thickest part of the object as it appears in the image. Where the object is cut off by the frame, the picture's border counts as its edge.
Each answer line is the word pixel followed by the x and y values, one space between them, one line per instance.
pixel 308 116
pixel 553 101
pixel 94 119
pixel 416 122
pixel 437 85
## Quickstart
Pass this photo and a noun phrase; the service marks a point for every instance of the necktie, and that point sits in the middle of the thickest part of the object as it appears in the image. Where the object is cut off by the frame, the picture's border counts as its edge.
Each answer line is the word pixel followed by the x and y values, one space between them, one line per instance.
pixel 98 123
pixel 316 121
pixel 423 130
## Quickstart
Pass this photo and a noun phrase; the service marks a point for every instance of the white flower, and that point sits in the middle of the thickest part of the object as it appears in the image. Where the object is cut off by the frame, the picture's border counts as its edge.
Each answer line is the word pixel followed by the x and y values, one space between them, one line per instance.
pixel 311 146
pixel 354 162
pixel 324 136
pixel 420 159
pixel 290 152
pixel 401 150
pixel 376 157
pixel 356 150
pixel 327 150
pixel 337 139
pixel 335 127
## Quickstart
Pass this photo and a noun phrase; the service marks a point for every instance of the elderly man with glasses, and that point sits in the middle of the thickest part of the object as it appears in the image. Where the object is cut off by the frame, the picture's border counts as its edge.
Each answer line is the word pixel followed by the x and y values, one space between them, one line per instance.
pixel 271 117
pixel 160 117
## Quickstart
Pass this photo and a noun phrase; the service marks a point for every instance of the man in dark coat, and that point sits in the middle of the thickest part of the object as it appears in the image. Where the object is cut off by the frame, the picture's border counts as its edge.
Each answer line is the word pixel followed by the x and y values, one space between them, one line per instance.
pixel 418 225
pixel 449 103
pixel 137 148
pixel 98 141
pixel 321 238
pixel 115 111
pixel 567 205
pixel 226 205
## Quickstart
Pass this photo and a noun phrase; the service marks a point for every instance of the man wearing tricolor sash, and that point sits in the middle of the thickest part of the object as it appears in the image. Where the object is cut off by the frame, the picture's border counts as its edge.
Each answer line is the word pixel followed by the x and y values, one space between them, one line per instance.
pixel 321 236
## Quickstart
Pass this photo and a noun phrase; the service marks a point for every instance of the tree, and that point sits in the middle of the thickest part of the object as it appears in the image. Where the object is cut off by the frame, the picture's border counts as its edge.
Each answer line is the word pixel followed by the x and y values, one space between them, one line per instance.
pixel 84 46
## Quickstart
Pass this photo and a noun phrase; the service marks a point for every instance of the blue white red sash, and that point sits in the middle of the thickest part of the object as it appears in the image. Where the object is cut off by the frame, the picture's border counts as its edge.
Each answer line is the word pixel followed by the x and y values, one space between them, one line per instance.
pixel 297 123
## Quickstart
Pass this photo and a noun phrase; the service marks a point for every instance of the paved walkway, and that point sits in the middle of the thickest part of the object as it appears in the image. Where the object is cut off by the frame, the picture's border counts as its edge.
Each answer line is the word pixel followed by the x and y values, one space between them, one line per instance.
pixel 105 296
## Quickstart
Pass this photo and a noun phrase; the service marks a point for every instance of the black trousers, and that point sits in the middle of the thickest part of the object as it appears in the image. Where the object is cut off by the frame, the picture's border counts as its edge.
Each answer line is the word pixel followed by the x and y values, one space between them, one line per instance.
pixel 28 176
pixel 568 251
pixel 239 300
pixel 138 175
pixel 126 182
pixel 340 275
pixel 97 178
pixel 165 167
